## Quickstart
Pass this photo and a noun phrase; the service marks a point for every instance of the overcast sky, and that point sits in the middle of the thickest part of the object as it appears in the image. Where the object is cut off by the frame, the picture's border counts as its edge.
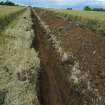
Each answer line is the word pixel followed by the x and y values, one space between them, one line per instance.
pixel 76 4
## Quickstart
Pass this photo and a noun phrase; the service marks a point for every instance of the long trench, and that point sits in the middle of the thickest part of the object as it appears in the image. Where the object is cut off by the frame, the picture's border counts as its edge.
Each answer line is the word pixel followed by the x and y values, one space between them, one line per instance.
pixel 53 88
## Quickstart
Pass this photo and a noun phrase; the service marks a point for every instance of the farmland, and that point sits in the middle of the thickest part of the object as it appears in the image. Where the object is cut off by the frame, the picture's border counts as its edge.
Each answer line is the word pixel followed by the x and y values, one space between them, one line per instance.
pixel 83 14
pixel 7 14
pixel 91 19
pixel 51 57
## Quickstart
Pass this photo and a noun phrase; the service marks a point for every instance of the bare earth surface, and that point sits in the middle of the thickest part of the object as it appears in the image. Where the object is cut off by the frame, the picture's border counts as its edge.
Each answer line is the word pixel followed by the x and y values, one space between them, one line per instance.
pixel 52 86
pixel 87 46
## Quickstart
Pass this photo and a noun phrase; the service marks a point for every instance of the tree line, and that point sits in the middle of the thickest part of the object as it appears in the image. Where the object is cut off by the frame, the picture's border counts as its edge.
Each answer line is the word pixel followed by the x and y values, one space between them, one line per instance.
pixel 9 3
pixel 87 8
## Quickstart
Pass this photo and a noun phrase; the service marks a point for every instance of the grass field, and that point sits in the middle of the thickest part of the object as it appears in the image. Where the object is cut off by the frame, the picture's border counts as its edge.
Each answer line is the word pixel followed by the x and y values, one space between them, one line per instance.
pixel 85 14
pixel 92 19
pixel 7 14
pixel 6 10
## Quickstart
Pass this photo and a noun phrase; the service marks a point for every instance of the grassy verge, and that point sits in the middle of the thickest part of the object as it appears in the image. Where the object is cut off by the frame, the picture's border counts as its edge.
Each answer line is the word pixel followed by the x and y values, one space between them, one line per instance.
pixel 8 14
pixel 19 63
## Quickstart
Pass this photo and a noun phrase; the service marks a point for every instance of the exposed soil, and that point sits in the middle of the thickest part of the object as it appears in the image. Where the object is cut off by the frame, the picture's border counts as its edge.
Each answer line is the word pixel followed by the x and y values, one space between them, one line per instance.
pixel 50 77
pixel 87 46
pixel 48 63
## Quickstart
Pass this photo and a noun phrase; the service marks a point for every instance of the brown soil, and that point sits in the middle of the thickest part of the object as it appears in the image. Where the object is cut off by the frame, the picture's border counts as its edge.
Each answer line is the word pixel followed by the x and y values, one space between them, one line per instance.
pixel 87 46
pixel 52 84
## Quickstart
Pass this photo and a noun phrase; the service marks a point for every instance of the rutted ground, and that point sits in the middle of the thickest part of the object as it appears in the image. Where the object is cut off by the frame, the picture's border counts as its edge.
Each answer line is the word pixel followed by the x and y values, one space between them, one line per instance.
pixel 19 63
pixel 87 76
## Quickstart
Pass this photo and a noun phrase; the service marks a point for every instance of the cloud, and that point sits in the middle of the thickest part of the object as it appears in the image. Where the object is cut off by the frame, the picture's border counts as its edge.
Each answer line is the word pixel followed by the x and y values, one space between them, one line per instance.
pixel 100 0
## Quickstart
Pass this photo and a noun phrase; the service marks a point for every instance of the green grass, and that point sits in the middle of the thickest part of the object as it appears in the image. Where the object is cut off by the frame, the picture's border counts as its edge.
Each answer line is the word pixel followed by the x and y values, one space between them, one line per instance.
pixel 8 14
pixel 91 19
pixel 19 63
pixel 84 14
pixel 6 10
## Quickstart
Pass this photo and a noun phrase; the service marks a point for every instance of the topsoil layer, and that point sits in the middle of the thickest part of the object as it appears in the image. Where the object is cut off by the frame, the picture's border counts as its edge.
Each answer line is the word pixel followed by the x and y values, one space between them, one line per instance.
pixel 87 46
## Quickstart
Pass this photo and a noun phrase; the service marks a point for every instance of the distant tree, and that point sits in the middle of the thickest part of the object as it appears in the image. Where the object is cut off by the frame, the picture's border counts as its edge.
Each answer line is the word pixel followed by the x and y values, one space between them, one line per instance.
pixel 87 8
pixel 9 3
pixel 98 9
pixel 1 3
pixel 69 8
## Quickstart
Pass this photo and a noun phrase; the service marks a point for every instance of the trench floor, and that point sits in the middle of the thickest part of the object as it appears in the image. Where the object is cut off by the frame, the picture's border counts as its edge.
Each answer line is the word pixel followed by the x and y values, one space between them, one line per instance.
pixel 53 86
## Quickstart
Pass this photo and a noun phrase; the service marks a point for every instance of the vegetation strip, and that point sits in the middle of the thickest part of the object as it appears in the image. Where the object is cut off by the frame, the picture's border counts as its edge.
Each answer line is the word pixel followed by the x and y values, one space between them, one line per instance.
pixel 8 14
pixel 19 64
pixel 81 85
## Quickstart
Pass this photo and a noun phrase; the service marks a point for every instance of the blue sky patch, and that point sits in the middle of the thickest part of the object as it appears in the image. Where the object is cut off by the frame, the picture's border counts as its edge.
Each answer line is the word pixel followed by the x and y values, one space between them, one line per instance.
pixel 76 4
